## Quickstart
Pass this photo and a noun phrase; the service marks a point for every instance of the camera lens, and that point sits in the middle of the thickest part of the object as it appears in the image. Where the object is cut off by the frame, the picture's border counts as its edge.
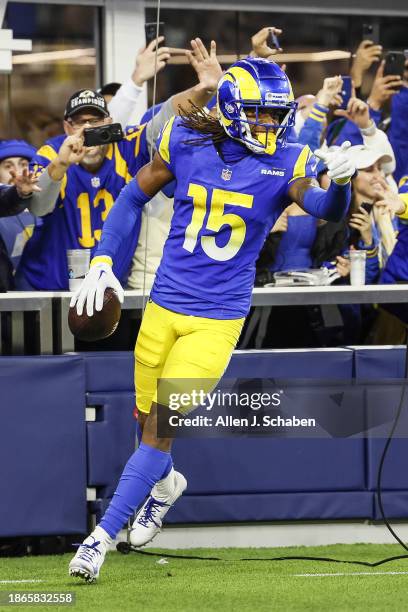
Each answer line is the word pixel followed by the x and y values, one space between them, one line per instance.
pixel 104 135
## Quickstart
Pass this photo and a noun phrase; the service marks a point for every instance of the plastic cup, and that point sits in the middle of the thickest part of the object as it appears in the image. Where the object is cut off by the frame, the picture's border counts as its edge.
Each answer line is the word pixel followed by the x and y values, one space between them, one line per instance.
pixel 78 265
pixel 357 267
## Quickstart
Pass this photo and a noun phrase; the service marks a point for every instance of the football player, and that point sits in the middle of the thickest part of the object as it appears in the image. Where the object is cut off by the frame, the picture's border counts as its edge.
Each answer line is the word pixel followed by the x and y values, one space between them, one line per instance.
pixel 235 174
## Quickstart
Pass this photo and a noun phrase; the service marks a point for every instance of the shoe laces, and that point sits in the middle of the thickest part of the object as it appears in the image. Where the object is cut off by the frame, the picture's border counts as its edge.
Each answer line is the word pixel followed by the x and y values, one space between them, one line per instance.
pixel 149 512
pixel 87 551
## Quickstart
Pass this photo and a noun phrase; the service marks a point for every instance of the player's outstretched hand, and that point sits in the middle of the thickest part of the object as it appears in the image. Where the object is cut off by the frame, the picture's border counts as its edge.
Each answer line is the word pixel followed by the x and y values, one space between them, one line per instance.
pixel 339 163
pixel 205 64
pixel 92 289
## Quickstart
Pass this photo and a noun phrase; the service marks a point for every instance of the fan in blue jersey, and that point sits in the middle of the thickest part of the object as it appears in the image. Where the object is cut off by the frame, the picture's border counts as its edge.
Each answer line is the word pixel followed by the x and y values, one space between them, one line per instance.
pixel 234 177
pixel 80 184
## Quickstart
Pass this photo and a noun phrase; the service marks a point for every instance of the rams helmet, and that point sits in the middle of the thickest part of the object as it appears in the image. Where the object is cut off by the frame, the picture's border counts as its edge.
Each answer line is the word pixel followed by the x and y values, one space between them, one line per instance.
pixel 250 91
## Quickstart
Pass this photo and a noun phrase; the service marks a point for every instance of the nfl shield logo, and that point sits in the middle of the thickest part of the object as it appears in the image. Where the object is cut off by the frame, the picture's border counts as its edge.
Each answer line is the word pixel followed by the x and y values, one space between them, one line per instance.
pixel 226 174
pixel 96 181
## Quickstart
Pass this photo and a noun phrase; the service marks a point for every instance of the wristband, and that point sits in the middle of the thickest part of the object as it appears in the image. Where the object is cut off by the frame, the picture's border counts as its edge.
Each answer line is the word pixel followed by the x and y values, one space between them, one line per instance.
pixel 404 198
pixel 101 259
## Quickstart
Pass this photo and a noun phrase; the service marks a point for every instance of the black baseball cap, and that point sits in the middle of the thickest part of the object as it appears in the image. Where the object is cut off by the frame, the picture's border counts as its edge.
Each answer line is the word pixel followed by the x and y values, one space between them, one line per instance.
pixel 86 99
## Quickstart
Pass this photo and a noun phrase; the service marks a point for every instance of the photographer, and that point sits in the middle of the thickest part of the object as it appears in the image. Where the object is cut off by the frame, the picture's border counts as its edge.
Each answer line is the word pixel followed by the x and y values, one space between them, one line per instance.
pixel 80 184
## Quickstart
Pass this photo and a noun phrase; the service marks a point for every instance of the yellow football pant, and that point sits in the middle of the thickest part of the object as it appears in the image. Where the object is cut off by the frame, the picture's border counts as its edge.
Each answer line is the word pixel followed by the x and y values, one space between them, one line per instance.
pixel 176 347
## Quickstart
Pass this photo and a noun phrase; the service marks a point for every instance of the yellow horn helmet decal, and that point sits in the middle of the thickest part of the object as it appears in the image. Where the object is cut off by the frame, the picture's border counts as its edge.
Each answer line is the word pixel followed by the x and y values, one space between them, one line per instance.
pixel 247 84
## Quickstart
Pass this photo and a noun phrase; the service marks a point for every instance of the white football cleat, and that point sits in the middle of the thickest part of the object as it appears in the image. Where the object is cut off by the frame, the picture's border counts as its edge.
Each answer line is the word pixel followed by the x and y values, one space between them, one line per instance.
pixel 88 559
pixel 148 521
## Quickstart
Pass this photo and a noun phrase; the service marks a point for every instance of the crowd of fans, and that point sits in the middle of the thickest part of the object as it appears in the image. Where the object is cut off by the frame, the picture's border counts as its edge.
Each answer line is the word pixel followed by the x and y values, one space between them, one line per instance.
pixel 64 191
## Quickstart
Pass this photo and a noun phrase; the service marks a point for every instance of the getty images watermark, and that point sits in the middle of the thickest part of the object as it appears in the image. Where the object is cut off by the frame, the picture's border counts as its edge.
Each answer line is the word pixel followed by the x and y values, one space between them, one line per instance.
pixel 206 408
pixel 281 408
pixel 223 399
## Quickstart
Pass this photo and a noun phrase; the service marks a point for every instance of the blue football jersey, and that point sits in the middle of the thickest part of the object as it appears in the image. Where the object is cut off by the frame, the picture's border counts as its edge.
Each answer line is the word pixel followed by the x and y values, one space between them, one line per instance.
pixel 222 215
pixel 83 204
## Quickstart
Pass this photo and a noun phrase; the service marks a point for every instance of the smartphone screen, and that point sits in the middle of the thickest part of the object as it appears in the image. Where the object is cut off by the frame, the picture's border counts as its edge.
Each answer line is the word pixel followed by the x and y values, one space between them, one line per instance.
pixel 346 91
pixel 368 207
pixel 371 31
pixel 273 41
pixel 394 63
pixel 151 30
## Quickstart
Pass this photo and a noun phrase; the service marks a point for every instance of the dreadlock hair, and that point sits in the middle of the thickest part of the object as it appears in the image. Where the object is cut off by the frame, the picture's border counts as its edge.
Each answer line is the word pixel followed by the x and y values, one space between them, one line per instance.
pixel 199 120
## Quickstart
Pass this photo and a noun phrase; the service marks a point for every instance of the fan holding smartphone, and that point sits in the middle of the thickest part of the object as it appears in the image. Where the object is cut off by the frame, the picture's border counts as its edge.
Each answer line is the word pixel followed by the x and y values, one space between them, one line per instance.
pixel 368 52
pixel 387 81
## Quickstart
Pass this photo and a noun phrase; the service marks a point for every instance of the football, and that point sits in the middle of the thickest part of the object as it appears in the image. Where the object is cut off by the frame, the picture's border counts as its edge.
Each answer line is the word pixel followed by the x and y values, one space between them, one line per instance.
pixel 102 324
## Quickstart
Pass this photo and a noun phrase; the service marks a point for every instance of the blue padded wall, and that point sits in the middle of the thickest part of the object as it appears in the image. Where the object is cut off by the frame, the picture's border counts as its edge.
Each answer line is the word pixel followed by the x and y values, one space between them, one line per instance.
pixel 376 363
pixel 42 446
pixel 109 371
pixel 111 439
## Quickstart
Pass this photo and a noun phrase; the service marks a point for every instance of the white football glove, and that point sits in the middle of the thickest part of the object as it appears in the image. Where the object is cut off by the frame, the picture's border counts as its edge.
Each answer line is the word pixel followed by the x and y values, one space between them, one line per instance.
pixel 339 164
pixel 92 289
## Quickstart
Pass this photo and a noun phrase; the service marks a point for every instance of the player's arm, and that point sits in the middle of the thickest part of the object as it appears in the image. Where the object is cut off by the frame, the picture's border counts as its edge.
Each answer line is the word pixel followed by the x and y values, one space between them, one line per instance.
pixel 121 221
pixel 332 204
pixel 124 215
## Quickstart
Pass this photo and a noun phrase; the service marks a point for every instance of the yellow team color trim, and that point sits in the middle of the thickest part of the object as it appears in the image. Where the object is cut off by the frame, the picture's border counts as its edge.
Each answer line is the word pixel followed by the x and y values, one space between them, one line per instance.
pixel 247 84
pixel 404 198
pixel 109 152
pixel 403 180
pixel 136 137
pixel 316 117
pixel 317 111
pixel 48 152
pixel 291 96
pixel 164 149
pixel 63 186
pixel 121 167
pixel 101 259
pixel 372 253
pixel 299 171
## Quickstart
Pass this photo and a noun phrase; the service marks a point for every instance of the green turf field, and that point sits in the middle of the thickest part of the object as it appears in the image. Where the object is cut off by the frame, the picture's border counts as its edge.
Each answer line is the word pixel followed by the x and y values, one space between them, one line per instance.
pixel 137 582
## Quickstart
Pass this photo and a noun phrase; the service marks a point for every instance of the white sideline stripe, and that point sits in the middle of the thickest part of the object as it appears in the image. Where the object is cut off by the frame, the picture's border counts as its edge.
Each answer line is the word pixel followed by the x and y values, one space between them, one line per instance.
pixel 18 581
pixel 353 574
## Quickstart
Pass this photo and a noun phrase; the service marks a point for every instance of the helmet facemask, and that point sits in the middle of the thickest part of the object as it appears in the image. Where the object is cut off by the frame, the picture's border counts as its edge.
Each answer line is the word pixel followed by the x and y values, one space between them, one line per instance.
pixel 260 133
